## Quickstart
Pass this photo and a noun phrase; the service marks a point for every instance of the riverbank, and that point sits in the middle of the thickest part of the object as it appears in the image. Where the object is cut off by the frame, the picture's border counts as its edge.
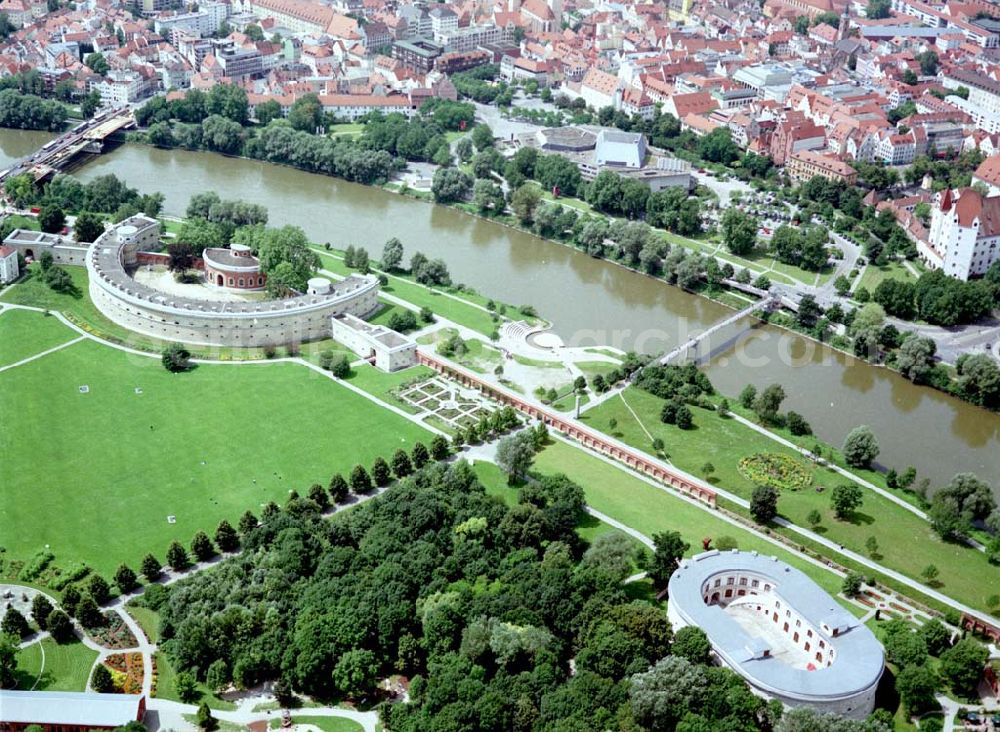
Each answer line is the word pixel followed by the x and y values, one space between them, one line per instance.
pixel 589 303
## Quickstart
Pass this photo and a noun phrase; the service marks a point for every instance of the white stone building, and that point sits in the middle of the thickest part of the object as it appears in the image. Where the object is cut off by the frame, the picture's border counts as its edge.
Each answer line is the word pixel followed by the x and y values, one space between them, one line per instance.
pixel 9 270
pixel 779 630
pixel 389 350
pixel 964 236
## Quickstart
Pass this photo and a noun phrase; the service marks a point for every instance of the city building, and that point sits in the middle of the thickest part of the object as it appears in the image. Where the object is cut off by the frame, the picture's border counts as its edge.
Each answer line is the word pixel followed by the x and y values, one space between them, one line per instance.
pixel 780 631
pixel 9 269
pixel 32 244
pixel 385 348
pixel 805 165
pixel 64 711
pixel 418 54
pixel 964 235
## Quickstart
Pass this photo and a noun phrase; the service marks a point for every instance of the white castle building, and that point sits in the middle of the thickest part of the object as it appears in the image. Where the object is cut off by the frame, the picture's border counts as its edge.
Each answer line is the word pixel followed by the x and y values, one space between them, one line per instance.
pixel 964 236
pixel 779 630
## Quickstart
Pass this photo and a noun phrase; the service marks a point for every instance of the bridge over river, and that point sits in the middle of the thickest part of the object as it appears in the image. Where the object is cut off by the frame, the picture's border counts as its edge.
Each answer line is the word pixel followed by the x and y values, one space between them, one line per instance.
pixel 57 154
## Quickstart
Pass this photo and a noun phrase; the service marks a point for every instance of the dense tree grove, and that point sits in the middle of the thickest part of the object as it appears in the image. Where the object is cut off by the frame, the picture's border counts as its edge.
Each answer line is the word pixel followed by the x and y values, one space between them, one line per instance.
pixel 104 194
pixel 30 112
pixel 481 604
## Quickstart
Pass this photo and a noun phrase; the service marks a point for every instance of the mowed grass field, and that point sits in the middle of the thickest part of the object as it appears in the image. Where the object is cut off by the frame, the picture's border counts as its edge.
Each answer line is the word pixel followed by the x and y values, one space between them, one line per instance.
pixel 50 666
pixel 96 475
pixel 23 333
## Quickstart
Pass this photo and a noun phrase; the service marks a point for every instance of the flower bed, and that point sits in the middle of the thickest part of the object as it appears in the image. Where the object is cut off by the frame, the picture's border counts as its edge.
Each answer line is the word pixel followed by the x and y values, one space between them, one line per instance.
pixel 114 633
pixel 780 471
pixel 126 672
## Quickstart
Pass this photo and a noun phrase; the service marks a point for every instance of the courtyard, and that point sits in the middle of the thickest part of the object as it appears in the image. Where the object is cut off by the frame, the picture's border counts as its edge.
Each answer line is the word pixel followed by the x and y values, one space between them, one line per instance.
pixel 456 406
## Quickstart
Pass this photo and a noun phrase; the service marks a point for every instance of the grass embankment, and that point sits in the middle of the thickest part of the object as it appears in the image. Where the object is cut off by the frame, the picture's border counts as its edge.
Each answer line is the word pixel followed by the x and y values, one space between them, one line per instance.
pixel 96 475
pixel 905 541
pixel 50 666
pixel 459 308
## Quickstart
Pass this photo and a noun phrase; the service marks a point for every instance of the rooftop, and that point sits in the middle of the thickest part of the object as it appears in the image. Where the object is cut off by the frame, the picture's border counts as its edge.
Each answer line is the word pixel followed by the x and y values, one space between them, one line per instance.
pixel 859 657
pixel 69 708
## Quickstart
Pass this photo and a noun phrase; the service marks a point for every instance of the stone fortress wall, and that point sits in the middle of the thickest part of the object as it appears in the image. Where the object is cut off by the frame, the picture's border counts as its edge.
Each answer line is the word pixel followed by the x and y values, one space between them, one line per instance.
pixel 138 307
pixel 793 643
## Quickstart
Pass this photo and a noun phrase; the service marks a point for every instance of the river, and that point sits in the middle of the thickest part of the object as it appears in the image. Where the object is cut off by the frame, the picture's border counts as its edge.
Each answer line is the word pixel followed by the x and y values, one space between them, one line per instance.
pixel 590 301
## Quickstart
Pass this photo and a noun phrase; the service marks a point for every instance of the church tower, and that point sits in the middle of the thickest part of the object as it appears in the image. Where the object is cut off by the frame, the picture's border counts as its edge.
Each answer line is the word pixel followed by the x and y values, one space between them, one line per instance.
pixel 845 19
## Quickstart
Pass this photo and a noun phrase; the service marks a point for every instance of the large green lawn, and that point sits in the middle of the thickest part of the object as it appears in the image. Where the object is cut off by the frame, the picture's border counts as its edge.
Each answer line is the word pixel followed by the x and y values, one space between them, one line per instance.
pixel 95 475
pixel 650 510
pixel 25 333
pixel 50 666
pixel 873 275
pixel 905 541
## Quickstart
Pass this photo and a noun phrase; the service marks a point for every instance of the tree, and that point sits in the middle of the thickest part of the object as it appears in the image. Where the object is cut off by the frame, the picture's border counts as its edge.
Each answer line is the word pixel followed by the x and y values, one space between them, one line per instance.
pixel 341 367
pixel 936 636
pixel 88 613
pixel 420 455
pixel 97 63
pixel 356 672
pixel 930 574
pixel 683 417
pixel 14 623
pixel 661 696
pixel 267 111
pixel 380 472
pixel 401 465
pixel 669 549
pixel 962 666
pixel 739 231
pixel 125 579
pixel 871 544
pixel 8 661
pixel 202 547
pixel 59 625
pixel 768 402
pixel 361 482
pixel 101 681
pixel 482 136
pixel 915 357
pixel 690 642
pixel 916 686
pixel 40 610
pixel 860 447
pixel 797 424
pixel 878 9
pixel 99 589
pixel 450 184
pixel 764 503
pixel 186 686
pixel 514 455
pixel 204 719
pixel 51 218
pixel 150 568
pixel 306 114
pixel 747 396
pixel 217 676
pixel 392 255
pixel 226 537
pixel 338 488
pixel 439 448
pixel 319 496
pixel 88 227
pixel 852 584
pixel 524 201
pixel 177 557
pixel 845 499
pixel 815 518
pixel 176 358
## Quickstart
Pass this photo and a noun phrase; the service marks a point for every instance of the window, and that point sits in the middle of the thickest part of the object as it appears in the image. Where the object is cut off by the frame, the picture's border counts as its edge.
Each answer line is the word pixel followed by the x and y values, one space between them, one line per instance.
pixel 743 581
pixel 785 628
pixel 798 623
pixel 730 580
pixel 809 633
pixel 795 637
pixel 718 582
pixel 755 583
pixel 230 281
pixel 807 647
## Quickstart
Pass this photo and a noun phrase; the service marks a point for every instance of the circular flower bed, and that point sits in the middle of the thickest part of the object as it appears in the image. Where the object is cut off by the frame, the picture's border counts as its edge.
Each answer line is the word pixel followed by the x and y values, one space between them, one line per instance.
pixel 780 471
